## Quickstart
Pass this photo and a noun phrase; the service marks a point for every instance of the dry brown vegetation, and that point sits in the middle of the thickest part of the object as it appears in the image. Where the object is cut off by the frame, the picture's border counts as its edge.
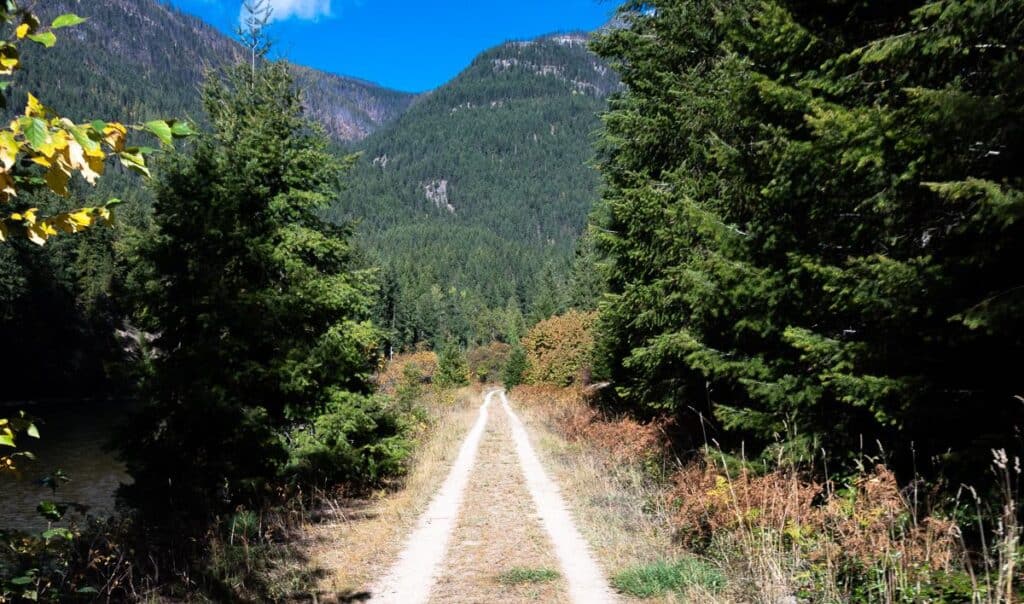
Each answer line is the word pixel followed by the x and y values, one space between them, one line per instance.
pixel 777 534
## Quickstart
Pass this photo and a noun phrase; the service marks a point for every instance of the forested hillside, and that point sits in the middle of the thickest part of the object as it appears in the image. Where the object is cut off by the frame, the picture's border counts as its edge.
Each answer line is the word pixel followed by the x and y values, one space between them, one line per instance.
pixel 142 59
pixel 474 199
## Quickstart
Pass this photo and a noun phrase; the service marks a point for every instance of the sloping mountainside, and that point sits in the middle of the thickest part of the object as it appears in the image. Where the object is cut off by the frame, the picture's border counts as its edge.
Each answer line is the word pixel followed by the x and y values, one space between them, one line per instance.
pixel 139 59
pixel 474 199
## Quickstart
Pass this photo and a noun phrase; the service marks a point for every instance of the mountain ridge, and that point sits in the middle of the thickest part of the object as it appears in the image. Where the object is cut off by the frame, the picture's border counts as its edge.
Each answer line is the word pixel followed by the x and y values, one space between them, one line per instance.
pixel 144 59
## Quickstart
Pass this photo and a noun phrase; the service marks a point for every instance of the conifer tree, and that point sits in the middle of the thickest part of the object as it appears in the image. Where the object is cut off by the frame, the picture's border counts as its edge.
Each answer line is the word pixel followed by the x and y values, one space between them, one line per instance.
pixel 815 219
pixel 266 348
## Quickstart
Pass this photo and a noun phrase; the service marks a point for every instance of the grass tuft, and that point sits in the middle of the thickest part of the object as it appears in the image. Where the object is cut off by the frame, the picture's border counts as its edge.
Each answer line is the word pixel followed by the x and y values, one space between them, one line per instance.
pixel 661 577
pixel 519 576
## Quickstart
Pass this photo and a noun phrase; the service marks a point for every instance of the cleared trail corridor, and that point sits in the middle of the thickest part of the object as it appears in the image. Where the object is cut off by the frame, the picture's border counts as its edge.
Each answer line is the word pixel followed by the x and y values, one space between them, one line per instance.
pixel 497 511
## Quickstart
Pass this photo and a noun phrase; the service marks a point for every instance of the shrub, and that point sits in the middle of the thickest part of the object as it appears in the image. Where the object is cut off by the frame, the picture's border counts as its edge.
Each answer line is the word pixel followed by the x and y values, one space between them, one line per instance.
pixel 393 372
pixel 515 369
pixel 452 370
pixel 559 350
pixel 353 441
pixel 487 362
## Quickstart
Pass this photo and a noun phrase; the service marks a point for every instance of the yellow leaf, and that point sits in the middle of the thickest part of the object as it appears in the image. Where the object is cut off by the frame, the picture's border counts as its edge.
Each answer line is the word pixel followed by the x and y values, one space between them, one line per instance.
pixel 7 189
pixel 22 31
pixel 8 149
pixel 78 161
pixel 114 135
pixel 34 107
pixel 82 218
pixel 37 235
pixel 57 179
pixel 30 215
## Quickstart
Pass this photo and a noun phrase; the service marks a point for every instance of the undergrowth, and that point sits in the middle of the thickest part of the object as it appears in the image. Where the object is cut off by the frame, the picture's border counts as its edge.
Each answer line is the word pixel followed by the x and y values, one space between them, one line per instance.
pixel 662 577
pixel 779 532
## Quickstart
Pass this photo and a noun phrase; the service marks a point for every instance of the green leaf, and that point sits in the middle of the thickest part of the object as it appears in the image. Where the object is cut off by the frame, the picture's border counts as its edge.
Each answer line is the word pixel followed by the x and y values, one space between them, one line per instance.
pixel 161 130
pixel 58 533
pixel 87 590
pixel 82 138
pixel 7 440
pixel 99 126
pixel 50 510
pixel 182 129
pixel 23 580
pixel 134 162
pixel 47 39
pixel 36 132
pixel 67 20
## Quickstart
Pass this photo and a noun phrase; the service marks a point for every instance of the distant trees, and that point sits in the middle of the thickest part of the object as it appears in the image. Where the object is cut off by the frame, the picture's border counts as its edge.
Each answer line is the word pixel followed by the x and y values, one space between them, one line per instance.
pixel 815 220
pixel 514 145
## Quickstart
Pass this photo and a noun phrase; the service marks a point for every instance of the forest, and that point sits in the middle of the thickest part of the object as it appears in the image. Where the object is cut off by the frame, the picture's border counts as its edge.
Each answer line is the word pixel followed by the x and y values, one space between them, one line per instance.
pixel 755 265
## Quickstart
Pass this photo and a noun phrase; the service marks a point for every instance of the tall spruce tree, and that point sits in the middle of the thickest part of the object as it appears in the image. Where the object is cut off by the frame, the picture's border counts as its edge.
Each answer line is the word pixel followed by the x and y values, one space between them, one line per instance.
pixel 815 219
pixel 266 349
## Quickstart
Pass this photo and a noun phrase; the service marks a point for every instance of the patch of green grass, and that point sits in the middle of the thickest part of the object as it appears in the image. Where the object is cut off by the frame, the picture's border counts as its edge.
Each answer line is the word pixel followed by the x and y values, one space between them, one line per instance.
pixel 518 576
pixel 662 577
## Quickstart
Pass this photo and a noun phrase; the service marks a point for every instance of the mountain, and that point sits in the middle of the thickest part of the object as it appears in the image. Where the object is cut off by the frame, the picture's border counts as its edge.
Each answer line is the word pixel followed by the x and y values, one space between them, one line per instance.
pixel 141 59
pixel 473 200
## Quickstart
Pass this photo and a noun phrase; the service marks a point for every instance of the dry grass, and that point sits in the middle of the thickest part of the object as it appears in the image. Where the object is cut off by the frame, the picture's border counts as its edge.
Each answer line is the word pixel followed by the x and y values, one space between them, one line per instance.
pixel 358 539
pixel 498 531
pixel 776 537
pixel 624 515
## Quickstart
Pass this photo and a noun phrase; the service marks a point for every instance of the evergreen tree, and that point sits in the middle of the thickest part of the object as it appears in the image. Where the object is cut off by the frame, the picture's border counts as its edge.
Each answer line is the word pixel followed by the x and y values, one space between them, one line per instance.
pixel 515 370
pixel 263 319
pixel 452 368
pixel 814 219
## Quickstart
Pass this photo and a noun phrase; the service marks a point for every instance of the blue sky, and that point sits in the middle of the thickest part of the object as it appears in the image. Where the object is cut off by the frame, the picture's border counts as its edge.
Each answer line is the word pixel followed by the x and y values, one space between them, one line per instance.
pixel 412 45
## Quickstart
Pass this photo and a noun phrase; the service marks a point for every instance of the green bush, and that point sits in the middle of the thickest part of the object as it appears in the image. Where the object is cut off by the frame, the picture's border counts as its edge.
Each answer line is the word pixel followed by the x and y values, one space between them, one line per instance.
pixel 452 369
pixel 355 440
pixel 515 370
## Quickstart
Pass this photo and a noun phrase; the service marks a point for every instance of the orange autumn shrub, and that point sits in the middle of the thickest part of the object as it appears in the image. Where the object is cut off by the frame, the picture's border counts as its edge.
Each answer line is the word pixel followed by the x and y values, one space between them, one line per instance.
pixel 868 524
pixel 559 349
pixel 392 372
pixel 624 439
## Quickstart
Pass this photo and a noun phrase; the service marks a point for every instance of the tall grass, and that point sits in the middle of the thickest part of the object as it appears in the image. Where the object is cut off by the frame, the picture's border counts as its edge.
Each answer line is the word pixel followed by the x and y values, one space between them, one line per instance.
pixel 777 533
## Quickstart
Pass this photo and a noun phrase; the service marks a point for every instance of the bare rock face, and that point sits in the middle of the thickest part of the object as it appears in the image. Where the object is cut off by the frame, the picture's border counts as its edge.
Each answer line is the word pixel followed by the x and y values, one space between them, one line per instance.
pixel 437 193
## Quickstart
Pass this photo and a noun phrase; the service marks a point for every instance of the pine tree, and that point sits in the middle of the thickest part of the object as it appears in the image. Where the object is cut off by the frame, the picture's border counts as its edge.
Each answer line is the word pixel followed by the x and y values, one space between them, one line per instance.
pixel 814 220
pixel 514 373
pixel 452 368
pixel 266 346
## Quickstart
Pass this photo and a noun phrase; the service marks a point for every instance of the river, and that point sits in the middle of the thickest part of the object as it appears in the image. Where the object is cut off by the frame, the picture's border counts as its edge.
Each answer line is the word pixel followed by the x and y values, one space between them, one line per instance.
pixel 73 437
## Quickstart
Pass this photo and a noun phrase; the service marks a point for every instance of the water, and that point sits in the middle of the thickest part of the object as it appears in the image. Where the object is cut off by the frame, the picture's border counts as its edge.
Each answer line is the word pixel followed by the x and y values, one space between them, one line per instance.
pixel 73 437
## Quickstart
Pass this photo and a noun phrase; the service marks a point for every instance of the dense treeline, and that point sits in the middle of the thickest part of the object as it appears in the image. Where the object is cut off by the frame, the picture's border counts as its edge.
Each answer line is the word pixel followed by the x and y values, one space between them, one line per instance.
pixel 510 138
pixel 813 224
pixel 252 346
pixel 136 60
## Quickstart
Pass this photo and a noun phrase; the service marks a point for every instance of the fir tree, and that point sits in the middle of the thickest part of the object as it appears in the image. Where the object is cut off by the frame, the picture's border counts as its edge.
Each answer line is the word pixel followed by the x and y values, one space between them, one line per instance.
pixel 814 220
pixel 263 318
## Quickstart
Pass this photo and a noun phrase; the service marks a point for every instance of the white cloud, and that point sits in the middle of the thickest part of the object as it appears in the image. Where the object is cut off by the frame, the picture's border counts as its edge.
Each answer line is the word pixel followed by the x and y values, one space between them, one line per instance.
pixel 309 10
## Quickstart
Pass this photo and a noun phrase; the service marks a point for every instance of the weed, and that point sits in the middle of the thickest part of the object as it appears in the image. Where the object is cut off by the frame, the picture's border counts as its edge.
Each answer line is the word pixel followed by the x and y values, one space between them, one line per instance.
pixel 519 576
pixel 661 577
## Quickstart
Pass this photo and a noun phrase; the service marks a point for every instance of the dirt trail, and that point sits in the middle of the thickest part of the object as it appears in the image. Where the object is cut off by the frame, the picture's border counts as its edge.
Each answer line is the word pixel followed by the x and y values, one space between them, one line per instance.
pixel 497 513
